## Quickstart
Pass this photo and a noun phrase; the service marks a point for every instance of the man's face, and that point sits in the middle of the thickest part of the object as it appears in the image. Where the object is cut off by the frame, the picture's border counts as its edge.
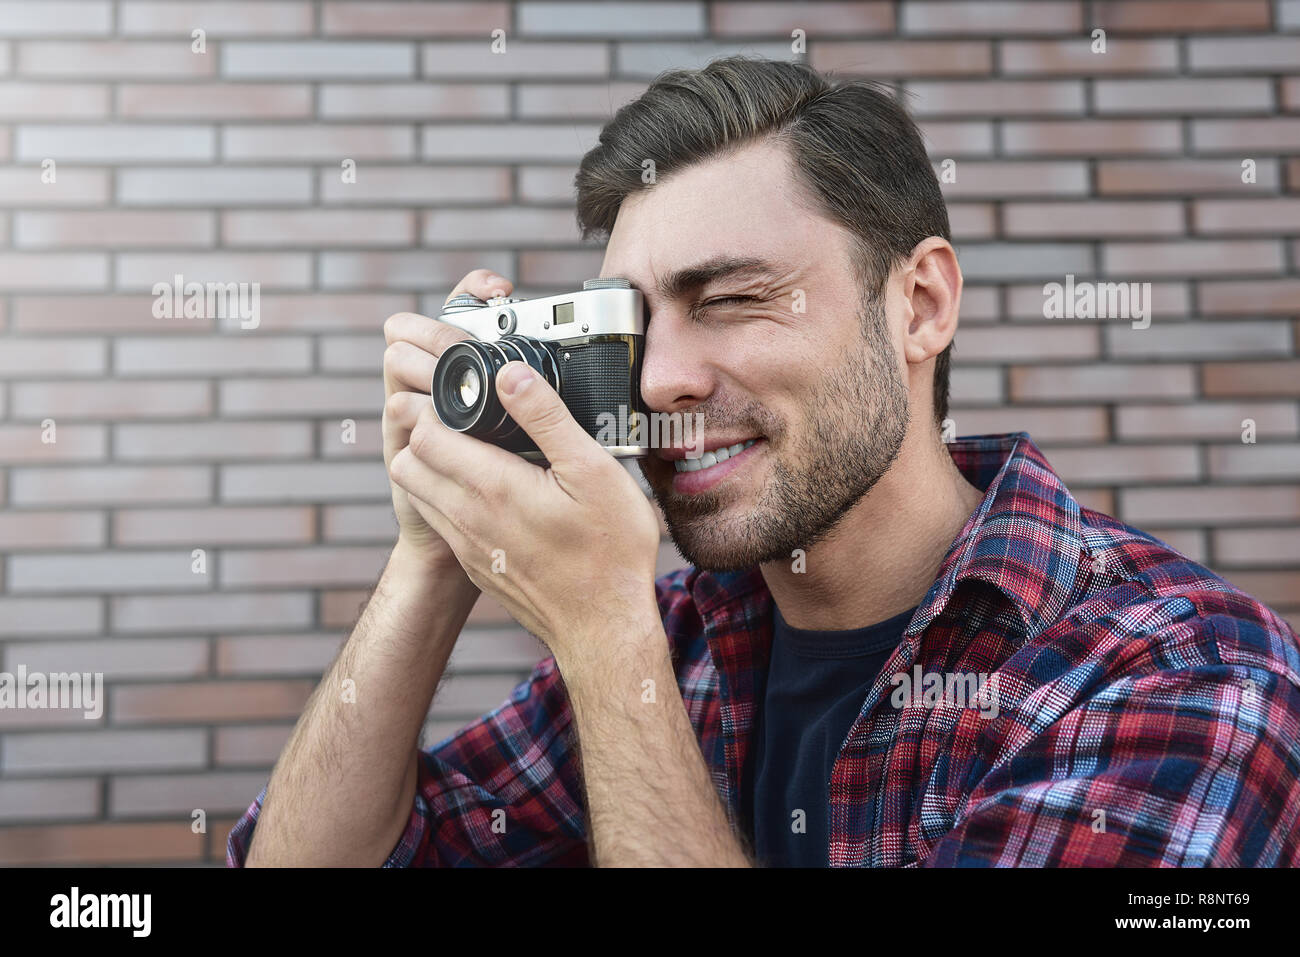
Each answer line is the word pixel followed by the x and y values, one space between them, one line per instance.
pixel 778 351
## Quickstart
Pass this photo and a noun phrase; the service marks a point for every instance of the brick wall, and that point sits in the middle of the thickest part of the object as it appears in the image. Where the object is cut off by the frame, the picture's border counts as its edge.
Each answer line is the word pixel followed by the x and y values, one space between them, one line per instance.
pixel 176 434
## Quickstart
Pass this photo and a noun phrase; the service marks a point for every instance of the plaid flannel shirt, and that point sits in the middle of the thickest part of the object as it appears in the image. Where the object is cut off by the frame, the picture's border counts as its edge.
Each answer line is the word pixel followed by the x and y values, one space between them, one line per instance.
pixel 1148 711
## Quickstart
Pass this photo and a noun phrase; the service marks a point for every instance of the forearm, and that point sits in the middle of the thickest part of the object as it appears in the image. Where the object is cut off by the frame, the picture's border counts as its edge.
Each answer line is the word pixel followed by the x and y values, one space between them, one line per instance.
pixel 650 801
pixel 342 790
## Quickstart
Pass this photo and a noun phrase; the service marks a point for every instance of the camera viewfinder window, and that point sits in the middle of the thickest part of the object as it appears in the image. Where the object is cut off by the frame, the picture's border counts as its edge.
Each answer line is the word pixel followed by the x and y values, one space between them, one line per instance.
pixel 563 313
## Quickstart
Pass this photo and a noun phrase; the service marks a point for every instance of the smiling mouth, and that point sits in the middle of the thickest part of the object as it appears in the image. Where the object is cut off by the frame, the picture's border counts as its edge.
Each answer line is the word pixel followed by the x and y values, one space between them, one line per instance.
pixel 712 457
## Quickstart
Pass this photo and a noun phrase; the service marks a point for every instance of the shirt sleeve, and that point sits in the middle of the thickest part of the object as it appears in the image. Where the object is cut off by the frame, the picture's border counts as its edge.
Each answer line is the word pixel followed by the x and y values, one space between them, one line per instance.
pixel 1190 767
pixel 503 791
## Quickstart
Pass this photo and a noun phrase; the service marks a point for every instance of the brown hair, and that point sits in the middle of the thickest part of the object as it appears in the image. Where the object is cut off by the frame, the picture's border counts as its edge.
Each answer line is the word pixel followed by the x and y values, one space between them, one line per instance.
pixel 854 147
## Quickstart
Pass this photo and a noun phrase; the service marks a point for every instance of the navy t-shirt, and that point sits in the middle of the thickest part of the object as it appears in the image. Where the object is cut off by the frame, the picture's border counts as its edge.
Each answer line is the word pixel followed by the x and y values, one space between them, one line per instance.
pixel 816 684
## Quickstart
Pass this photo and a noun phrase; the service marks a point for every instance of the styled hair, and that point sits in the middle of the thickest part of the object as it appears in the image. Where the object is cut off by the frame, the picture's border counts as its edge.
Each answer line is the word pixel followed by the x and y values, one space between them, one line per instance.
pixel 855 149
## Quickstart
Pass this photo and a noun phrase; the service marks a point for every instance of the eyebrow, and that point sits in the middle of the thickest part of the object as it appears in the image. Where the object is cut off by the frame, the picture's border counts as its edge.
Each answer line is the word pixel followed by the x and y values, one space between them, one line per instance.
pixel 676 284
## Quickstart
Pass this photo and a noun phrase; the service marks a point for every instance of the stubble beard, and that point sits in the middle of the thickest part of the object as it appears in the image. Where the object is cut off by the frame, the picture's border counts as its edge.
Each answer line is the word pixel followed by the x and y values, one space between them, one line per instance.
pixel 853 426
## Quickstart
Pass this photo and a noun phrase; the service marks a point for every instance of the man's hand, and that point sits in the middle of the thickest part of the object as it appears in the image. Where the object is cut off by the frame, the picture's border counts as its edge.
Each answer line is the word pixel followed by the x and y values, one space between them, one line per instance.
pixel 569 550
pixel 414 344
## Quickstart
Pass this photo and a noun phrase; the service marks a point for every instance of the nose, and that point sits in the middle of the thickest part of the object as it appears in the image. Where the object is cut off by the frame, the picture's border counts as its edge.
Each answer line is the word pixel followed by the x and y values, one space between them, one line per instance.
pixel 675 370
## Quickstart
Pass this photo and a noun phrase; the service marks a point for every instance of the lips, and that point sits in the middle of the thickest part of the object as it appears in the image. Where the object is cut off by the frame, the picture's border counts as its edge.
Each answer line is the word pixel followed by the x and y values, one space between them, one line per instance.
pixel 712 457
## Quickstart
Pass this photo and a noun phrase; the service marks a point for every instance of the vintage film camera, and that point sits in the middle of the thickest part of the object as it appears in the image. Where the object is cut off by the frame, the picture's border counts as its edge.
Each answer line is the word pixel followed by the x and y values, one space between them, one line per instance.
pixel 587 345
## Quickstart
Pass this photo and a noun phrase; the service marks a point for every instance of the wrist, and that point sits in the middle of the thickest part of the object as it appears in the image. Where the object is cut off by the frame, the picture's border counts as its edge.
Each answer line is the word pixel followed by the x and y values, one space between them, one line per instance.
pixel 632 642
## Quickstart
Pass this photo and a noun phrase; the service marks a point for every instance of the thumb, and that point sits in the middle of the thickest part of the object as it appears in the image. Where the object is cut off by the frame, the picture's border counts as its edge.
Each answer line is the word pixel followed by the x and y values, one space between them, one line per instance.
pixel 539 411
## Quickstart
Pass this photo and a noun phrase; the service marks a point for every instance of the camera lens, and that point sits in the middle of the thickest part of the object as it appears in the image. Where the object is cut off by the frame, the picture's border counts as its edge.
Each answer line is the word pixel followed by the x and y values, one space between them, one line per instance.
pixel 464 392
pixel 468 387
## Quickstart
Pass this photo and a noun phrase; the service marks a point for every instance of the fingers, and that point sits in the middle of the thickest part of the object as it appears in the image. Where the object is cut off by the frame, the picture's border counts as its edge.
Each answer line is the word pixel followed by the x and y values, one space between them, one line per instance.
pixel 401 411
pixel 407 368
pixel 483 283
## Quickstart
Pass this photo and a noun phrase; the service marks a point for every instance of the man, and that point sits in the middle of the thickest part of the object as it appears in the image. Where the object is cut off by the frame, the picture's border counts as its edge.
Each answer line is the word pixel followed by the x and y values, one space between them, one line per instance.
pixel 888 651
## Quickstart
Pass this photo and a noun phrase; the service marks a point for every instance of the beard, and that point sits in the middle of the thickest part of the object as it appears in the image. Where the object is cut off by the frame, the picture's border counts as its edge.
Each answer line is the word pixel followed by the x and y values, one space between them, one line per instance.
pixel 853 425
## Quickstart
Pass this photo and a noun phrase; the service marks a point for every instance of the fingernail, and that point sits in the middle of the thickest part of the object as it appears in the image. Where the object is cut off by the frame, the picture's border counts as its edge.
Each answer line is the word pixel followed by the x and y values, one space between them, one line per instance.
pixel 516 376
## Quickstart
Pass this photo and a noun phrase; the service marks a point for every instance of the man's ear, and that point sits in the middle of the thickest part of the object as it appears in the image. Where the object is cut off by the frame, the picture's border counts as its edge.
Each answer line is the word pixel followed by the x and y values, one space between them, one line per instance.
pixel 932 289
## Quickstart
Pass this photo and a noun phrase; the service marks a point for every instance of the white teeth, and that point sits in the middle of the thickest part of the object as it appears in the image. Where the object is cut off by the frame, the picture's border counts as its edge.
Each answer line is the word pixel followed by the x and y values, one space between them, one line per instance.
pixel 712 458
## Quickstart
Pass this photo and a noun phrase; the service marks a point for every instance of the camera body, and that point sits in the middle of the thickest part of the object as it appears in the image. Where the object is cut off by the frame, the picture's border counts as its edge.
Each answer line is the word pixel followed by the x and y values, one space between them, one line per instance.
pixel 588 345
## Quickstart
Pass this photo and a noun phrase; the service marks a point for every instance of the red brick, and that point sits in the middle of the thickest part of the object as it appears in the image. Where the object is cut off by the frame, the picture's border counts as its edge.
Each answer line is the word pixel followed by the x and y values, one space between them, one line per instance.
pixel 86 844
pixel 417 101
pixel 259 745
pixel 311 483
pixel 1248 298
pixel 367 440
pixel 1244 54
pixel 109 485
pixel 1021 178
pixel 168 18
pixel 899 58
pixel 1093 217
pixel 152 795
pixel 996 17
pixel 49 101
pixel 1074 57
pixel 27 617
pixel 1106 382
pixel 113 228
pixel 111 59
pixel 1022 343
pixel 215 101
pixel 277 655
pixel 1251 378
pixel 203 701
pixel 1199 340
pixel 1205 420
pixel 202 527
pixel 1238 137
pixel 375 18
pixel 1210 505
pixel 316 566
pixel 43 800
pixel 997 97
pixel 1183 95
pixel 50 315
pixel 313 228
pixel 1264 216
pixel 1191 257
pixel 1257 547
pixel 107 399
pixel 45 529
pixel 115 658
pixel 729 18
pixel 405 185
pixel 228 611
pixel 1183 16
pixel 283 396
pixel 1045 424
pixel 212 441
pixel 1106 464
pixel 73 443
pixel 1179 177
pixel 598 101
pixel 1090 137
pixel 1260 460
pixel 283 313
